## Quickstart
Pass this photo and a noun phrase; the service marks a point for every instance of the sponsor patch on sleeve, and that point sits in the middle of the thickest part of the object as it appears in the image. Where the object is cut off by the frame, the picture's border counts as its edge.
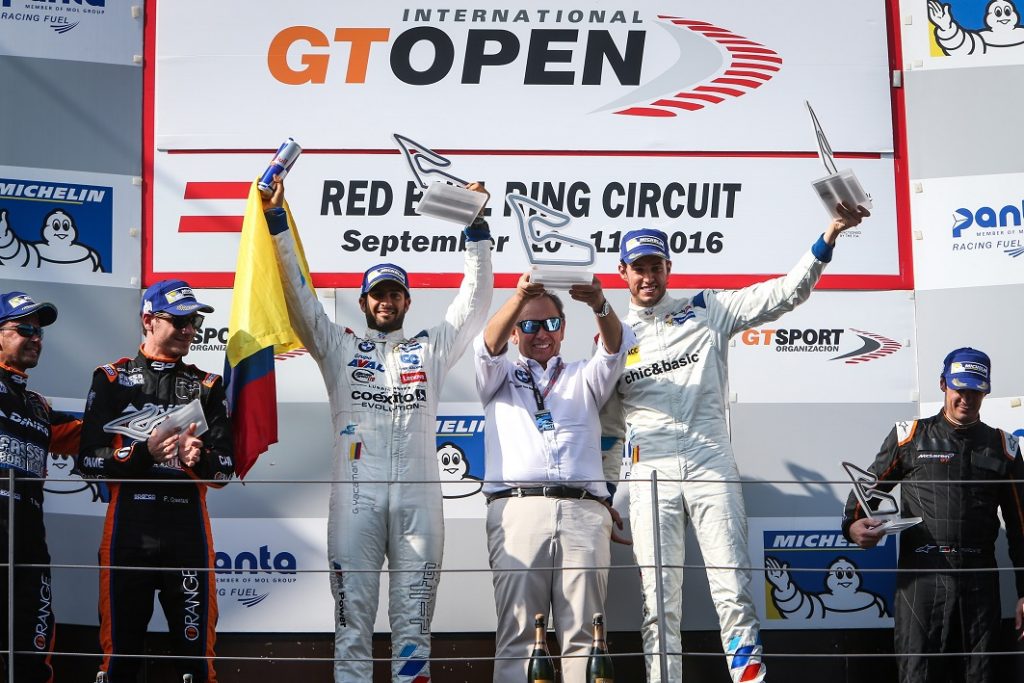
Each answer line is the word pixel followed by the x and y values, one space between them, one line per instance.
pixel 633 356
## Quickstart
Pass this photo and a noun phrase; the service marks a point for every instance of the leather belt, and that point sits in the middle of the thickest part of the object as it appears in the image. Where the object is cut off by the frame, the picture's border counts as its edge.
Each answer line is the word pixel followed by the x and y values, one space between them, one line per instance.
pixel 554 491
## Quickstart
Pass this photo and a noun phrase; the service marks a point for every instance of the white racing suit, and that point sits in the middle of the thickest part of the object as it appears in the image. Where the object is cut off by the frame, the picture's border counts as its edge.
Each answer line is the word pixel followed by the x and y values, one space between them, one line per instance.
pixel 672 395
pixel 383 391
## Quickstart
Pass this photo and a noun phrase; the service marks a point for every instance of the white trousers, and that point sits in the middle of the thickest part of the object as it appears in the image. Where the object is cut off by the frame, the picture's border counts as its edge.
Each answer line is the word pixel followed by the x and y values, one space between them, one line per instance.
pixel 715 508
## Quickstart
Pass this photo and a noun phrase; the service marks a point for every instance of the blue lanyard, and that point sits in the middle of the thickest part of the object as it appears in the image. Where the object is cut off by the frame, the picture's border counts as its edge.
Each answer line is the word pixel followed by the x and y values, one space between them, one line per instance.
pixel 537 395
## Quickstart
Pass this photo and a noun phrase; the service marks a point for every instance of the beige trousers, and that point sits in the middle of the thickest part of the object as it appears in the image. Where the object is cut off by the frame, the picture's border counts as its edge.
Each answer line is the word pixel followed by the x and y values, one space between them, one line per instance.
pixel 558 542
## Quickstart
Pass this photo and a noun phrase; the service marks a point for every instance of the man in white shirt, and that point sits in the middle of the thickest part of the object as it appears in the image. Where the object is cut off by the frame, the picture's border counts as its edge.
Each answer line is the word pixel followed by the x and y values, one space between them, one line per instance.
pixel 548 503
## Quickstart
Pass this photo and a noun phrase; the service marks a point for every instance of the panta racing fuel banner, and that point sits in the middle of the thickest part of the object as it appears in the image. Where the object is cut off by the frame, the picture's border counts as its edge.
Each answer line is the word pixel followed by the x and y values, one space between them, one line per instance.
pixel 69 30
pixel 532 74
pixel 972 227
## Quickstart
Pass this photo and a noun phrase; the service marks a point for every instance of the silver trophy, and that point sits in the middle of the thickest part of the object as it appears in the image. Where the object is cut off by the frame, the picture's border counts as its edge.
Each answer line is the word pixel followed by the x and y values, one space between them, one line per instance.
pixel 838 186
pixel 557 261
pixel 865 488
pixel 445 196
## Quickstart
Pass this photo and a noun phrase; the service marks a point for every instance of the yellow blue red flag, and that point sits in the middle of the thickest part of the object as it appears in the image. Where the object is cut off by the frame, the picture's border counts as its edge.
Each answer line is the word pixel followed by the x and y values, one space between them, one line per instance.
pixel 258 329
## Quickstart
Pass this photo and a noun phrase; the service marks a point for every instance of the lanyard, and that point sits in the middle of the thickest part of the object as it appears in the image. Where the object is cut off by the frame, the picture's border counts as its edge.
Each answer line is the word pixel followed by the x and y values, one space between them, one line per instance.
pixel 537 395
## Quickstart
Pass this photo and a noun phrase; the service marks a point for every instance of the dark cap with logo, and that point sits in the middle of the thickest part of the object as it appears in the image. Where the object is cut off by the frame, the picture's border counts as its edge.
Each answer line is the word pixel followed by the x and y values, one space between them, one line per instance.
pixel 383 272
pixel 15 305
pixel 644 242
pixel 172 296
pixel 967 368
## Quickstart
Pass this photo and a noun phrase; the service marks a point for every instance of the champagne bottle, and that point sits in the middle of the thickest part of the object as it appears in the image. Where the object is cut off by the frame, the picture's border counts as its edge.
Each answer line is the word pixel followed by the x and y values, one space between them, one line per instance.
pixel 541 670
pixel 187 678
pixel 599 665
pixel 101 677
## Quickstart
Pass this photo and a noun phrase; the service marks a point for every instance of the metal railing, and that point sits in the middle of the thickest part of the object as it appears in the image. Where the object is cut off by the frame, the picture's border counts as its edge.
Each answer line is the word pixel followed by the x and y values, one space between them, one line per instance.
pixel 659 565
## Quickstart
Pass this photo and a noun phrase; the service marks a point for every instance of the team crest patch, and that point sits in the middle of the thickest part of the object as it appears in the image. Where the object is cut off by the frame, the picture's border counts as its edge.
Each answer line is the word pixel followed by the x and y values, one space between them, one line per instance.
pixel 186 388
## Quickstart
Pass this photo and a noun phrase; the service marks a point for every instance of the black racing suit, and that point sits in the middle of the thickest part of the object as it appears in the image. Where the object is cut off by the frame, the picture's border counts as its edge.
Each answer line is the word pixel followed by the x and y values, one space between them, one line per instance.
pixel 957 611
pixel 155 524
pixel 28 430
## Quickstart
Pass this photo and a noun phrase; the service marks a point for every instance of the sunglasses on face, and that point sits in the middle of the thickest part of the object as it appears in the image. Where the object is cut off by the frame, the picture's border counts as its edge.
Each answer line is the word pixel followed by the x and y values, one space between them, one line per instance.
pixel 27 330
pixel 533 326
pixel 180 322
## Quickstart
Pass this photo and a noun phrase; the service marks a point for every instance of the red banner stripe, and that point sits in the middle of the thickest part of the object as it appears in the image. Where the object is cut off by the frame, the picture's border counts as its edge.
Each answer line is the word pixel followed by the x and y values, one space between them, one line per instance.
pixel 227 190
pixel 210 224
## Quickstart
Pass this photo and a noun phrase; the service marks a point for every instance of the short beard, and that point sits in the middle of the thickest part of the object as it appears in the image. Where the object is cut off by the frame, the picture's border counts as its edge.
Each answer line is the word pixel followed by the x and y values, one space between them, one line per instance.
pixel 371 322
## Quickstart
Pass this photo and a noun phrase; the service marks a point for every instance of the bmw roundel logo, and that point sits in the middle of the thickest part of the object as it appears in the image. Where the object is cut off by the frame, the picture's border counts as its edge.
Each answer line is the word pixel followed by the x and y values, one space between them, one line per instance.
pixel 522 375
pixel 367 346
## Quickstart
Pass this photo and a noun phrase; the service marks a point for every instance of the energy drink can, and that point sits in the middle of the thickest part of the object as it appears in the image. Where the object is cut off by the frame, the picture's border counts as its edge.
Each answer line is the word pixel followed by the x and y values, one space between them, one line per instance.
pixel 282 162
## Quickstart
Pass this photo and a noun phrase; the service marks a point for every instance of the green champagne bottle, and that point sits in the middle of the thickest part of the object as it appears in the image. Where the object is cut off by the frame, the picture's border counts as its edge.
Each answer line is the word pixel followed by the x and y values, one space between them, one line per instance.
pixel 599 666
pixel 541 670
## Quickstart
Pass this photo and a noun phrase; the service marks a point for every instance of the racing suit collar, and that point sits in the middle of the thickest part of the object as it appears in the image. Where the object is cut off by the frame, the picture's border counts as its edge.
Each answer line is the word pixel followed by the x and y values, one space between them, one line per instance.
pixel 17 376
pixel 666 304
pixel 960 428
pixel 158 362
pixel 393 336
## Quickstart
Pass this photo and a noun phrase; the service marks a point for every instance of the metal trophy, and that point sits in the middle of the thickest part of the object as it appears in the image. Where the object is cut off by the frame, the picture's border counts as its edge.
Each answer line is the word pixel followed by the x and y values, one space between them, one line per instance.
pixel 445 196
pixel 557 261
pixel 865 487
pixel 838 186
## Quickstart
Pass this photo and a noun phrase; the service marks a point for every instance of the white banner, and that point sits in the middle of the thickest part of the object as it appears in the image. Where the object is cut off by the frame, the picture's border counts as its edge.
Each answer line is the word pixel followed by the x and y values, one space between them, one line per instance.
pixel 264 577
pixel 71 30
pixel 69 227
pixel 953 34
pixel 538 74
pixel 813 576
pixel 725 217
pixel 968 231
pixel 838 347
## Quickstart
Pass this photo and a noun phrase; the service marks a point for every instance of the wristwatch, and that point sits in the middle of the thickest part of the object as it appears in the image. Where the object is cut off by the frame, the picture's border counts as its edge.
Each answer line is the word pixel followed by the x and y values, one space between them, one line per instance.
pixel 605 310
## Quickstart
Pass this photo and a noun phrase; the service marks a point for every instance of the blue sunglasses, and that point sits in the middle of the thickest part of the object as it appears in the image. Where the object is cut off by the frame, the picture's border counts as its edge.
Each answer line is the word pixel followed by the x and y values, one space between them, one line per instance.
pixel 533 326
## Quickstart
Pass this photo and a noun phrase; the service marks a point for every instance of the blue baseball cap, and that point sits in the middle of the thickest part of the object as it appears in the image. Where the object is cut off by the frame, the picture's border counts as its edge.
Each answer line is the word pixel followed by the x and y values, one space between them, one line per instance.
pixel 967 368
pixel 172 296
pixel 19 304
pixel 383 272
pixel 644 242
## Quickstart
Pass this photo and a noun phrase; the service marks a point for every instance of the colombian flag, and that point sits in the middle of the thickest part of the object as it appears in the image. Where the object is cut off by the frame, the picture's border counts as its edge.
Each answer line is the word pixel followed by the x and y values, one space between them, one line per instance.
pixel 258 328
